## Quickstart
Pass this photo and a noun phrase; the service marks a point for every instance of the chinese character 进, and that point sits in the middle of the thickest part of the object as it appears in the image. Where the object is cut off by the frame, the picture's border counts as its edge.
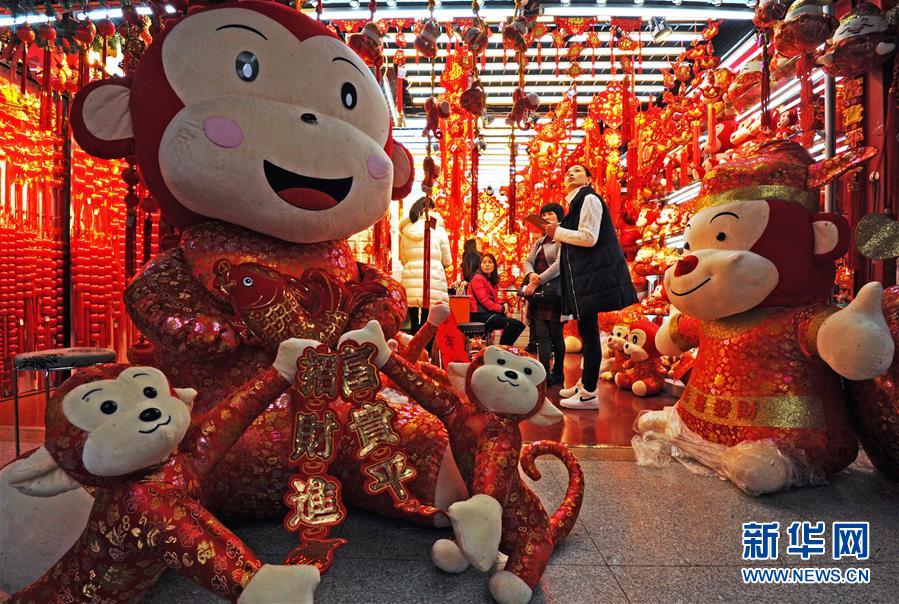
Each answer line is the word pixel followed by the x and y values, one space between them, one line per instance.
pixel 316 501
pixel 806 539
pixel 760 540
pixel 372 425
pixel 851 540
pixel 314 437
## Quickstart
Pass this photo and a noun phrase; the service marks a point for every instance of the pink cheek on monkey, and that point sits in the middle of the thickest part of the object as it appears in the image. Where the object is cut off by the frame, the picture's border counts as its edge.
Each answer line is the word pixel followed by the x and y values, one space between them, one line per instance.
pixel 378 166
pixel 223 132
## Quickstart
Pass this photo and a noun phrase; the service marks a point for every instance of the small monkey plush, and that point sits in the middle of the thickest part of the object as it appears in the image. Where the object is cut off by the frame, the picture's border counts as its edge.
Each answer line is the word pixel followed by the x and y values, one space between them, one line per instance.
pixel 503 514
pixel 126 432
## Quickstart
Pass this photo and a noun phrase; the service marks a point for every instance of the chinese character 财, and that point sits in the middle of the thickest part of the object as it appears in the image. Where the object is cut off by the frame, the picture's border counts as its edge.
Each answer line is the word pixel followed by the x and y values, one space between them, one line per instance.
pixel 760 540
pixel 851 540
pixel 313 437
pixel 806 539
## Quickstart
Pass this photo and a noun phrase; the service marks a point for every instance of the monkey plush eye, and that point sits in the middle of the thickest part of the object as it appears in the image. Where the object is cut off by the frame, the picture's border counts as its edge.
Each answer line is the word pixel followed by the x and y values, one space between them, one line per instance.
pixel 348 95
pixel 687 246
pixel 247 281
pixel 501 361
pixel 721 237
pixel 247 66
pixel 109 407
pixel 528 371
pixel 150 392
pixel 634 339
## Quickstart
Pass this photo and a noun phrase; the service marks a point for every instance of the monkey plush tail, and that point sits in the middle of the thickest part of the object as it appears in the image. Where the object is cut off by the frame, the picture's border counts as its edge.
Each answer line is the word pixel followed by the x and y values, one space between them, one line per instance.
pixel 562 520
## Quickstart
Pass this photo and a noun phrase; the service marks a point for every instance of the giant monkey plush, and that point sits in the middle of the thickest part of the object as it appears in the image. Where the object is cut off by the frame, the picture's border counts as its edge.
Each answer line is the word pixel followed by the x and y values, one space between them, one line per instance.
pixel 764 405
pixel 265 140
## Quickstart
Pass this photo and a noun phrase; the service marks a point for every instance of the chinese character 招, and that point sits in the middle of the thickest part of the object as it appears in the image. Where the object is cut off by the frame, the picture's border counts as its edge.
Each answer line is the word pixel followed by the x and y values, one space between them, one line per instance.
pixel 372 425
pixel 314 437
pixel 317 374
pixel 760 540
pixel 806 539
pixel 851 540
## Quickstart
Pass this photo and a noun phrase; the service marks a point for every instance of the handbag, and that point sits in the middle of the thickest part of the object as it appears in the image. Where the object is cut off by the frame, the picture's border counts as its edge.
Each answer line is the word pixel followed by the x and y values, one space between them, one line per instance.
pixel 547 293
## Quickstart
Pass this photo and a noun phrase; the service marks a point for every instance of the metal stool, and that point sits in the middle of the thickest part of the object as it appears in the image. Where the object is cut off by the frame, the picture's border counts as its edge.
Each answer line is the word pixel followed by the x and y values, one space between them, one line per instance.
pixel 473 329
pixel 60 359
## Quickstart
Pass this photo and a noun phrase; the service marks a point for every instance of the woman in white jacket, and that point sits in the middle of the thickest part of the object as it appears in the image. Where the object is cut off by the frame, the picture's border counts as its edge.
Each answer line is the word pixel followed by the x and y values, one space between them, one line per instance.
pixel 412 246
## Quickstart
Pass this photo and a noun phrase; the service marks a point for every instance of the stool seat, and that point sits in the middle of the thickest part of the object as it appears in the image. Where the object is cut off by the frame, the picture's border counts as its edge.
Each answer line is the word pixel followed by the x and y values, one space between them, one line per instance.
pixel 62 358
pixel 472 328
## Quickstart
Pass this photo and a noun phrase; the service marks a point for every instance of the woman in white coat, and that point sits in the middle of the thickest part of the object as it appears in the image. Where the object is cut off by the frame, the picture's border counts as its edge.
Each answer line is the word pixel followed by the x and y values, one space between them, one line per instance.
pixel 412 252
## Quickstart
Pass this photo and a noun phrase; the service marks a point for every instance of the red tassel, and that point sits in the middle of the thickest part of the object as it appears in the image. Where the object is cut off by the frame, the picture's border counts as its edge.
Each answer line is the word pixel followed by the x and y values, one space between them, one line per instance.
pixel 684 167
pixel 46 92
pixel 24 67
pixel 103 64
pixel 766 82
pixel 713 144
pixel 694 144
pixel 807 103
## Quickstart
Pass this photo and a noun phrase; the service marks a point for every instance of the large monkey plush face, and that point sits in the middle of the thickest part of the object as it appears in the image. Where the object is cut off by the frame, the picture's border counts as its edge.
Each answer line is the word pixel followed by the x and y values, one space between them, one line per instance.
pixel 745 254
pixel 253 114
pixel 108 428
pixel 507 383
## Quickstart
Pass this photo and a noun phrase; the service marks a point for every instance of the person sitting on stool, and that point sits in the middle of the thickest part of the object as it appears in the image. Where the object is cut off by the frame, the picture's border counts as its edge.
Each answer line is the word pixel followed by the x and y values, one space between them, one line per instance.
pixel 485 305
pixel 594 276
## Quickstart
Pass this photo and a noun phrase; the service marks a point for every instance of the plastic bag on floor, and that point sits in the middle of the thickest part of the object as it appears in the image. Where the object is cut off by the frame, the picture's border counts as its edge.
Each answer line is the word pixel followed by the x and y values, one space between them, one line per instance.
pixel 756 467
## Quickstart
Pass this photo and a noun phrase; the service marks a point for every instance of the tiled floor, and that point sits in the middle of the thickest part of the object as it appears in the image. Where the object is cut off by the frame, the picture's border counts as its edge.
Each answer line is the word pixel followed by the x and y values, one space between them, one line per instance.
pixel 644 535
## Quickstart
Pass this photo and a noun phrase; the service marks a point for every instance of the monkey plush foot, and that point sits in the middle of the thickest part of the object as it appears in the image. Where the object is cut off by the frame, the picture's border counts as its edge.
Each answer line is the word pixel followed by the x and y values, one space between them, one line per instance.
pixel 477 523
pixel 507 588
pixel 277 583
pixel 653 421
pixel 757 468
pixel 447 556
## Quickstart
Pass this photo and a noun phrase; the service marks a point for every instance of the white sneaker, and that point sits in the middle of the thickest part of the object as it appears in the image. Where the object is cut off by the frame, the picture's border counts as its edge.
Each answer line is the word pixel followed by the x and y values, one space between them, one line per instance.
pixel 584 399
pixel 569 392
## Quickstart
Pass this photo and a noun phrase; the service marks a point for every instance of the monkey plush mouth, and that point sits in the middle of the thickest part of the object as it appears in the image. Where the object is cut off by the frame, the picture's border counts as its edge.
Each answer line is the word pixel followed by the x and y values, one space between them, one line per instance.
pixel 306 192
pixel 690 291
pixel 506 382
pixel 157 426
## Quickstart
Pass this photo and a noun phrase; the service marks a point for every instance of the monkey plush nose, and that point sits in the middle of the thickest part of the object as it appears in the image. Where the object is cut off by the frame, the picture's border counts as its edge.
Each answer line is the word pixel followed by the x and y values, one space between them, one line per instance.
pixel 150 415
pixel 685 265
pixel 309 118
pixel 511 375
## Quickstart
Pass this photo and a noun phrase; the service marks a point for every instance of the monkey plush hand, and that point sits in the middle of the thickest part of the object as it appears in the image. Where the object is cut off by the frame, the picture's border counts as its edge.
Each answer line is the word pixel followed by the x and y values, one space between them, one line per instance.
pixel 126 432
pixel 856 341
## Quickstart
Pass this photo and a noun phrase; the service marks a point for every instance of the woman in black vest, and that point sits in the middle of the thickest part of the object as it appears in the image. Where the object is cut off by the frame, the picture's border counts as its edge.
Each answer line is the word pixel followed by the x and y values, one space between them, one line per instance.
pixel 594 276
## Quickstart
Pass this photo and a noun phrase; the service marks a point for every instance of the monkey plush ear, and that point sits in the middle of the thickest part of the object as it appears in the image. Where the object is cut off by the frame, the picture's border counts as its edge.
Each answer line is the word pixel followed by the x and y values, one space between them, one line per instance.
pixel 39 476
pixel 548 415
pixel 187 396
pixel 831 236
pixel 101 118
pixel 457 373
pixel 403 171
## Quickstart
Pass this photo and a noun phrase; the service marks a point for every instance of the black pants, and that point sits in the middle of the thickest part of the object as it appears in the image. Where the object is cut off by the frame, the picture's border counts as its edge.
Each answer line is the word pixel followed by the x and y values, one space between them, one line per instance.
pixel 415 320
pixel 512 328
pixel 588 327
pixel 550 344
